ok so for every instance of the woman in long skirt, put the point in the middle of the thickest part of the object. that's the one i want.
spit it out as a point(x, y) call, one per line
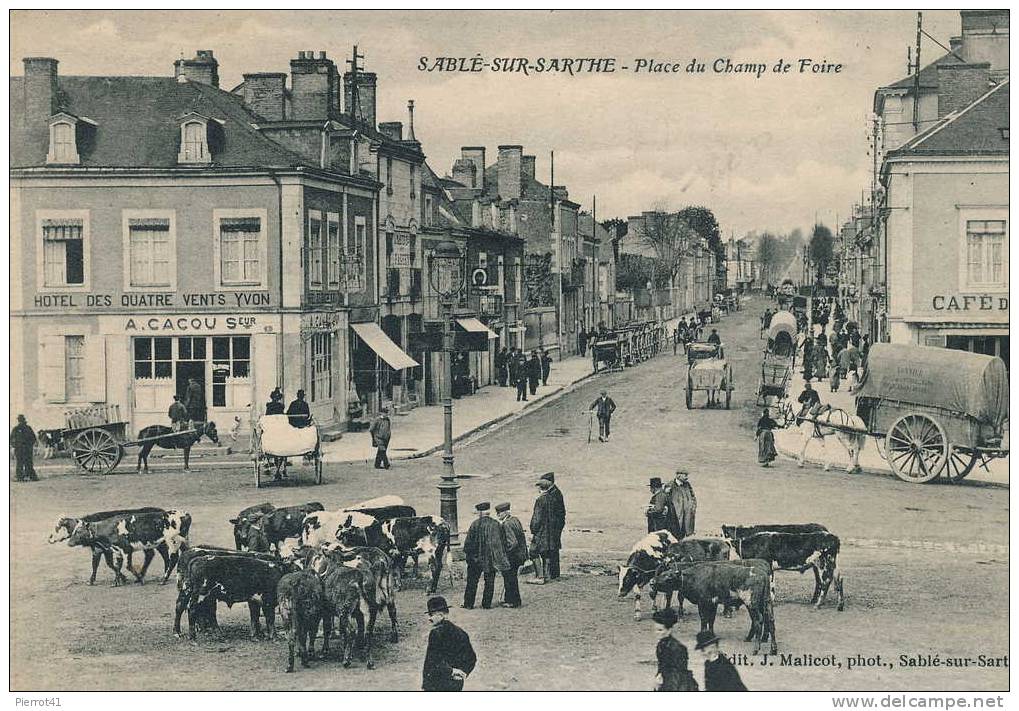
point(766, 439)
point(820, 355)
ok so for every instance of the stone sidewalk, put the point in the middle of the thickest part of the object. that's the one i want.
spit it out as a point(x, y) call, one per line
point(788, 442)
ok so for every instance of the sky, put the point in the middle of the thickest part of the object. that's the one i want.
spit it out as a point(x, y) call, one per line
point(767, 153)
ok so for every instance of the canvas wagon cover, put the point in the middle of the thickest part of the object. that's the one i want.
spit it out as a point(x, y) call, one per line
point(958, 381)
point(281, 440)
point(708, 373)
point(783, 322)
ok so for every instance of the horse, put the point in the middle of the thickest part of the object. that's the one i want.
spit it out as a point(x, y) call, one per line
point(168, 439)
point(852, 441)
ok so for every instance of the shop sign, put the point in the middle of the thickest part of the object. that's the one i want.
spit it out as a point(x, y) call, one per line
point(191, 324)
point(400, 256)
point(949, 302)
point(240, 299)
point(320, 322)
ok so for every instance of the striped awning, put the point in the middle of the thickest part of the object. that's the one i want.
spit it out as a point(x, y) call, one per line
point(475, 326)
point(376, 339)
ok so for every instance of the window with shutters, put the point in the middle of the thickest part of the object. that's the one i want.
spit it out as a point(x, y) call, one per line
point(241, 249)
point(63, 143)
point(321, 367)
point(389, 176)
point(63, 258)
point(984, 250)
point(74, 367)
point(194, 143)
point(334, 250)
point(354, 259)
point(150, 250)
point(315, 249)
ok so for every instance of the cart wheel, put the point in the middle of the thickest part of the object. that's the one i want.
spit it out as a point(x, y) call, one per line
point(318, 467)
point(689, 395)
point(960, 463)
point(97, 451)
point(257, 464)
point(728, 397)
point(917, 448)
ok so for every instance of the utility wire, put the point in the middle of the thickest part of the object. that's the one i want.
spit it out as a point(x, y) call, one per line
point(951, 52)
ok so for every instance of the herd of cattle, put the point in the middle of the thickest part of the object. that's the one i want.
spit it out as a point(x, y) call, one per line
point(703, 571)
point(332, 568)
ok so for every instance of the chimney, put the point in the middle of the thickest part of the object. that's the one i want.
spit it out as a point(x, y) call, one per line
point(509, 167)
point(464, 172)
point(40, 89)
point(959, 85)
point(476, 155)
point(392, 130)
point(985, 38)
point(202, 68)
point(365, 82)
point(955, 44)
point(527, 166)
point(263, 94)
point(314, 87)
point(410, 114)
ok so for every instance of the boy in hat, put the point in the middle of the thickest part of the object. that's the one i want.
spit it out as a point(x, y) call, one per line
point(516, 551)
point(658, 508)
point(719, 673)
point(548, 520)
point(673, 672)
point(485, 550)
point(603, 407)
point(450, 656)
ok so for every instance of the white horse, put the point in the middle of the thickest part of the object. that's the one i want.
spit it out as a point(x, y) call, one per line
point(852, 441)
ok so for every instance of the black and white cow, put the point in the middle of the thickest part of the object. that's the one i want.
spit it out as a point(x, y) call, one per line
point(412, 537)
point(270, 529)
point(66, 526)
point(647, 555)
point(244, 519)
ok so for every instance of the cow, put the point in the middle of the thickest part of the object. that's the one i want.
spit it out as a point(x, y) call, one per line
point(412, 536)
point(122, 534)
point(708, 584)
point(383, 513)
point(231, 579)
point(301, 599)
point(324, 527)
point(240, 523)
point(641, 565)
point(206, 613)
point(343, 593)
point(272, 528)
point(733, 533)
point(813, 550)
point(690, 551)
point(66, 525)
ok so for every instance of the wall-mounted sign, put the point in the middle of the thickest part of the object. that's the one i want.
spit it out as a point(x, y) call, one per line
point(479, 277)
point(942, 302)
point(400, 256)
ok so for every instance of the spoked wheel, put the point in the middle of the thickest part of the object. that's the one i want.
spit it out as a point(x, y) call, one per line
point(728, 397)
point(917, 448)
point(257, 464)
point(318, 467)
point(689, 395)
point(96, 451)
point(960, 463)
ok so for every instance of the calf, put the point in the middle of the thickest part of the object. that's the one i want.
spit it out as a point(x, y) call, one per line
point(410, 537)
point(344, 590)
point(642, 564)
point(66, 525)
point(231, 579)
point(816, 551)
point(206, 612)
point(301, 598)
point(687, 552)
point(122, 534)
point(272, 528)
point(243, 520)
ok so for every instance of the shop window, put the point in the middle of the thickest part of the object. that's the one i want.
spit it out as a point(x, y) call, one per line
point(74, 367)
point(191, 348)
point(321, 367)
point(150, 246)
point(315, 261)
point(231, 362)
point(241, 249)
point(63, 252)
point(985, 253)
point(153, 358)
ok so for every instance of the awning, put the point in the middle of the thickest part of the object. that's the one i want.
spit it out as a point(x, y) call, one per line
point(475, 326)
point(382, 344)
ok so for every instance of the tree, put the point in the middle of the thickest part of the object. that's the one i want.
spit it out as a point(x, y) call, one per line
point(821, 249)
point(769, 256)
point(671, 238)
point(634, 271)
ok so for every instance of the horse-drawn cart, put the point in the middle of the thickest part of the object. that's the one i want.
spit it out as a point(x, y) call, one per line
point(708, 370)
point(98, 449)
point(779, 359)
point(628, 345)
point(276, 440)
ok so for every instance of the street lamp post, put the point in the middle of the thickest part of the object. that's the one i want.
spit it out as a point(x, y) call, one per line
point(447, 274)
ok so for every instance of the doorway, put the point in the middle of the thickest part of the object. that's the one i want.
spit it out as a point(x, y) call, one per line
point(185, 371)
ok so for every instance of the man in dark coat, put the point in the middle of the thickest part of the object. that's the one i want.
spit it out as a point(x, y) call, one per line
point(450, 656)
point(547, 523)
point(194, 401)
point(673, 672)
point(178, 414)
point(682, 506)
point(23, 443)
point(719, 673)
point(808, 399)
point(534, 372)
point(518, 375)
point(381, 431)
point(299, 411)
point(546, 366)
point(275, 404)
point(582, 341)
point(485, 550)
point(603, 407)
point(516, 552)
point(501, 361)
point(658, 508)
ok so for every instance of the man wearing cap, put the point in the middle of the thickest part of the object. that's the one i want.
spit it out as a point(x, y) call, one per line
point(658, 508)
point(516, 552)
point(547, 522)
point(485, 550)
point(450, 656)
point(603, 407)
point(682, 506)
point(381, 430)
point(719, 673)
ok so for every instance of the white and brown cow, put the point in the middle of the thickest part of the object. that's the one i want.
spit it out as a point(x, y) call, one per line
point(126, 533)
point(641, 566)
point(67, 525)
point(412, 537)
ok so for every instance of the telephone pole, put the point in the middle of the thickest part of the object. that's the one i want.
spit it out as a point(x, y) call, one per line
point(916, 75)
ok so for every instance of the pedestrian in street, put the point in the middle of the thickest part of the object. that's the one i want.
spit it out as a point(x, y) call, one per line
point(485, 550)
point(516, 552)
point(603, 407)
point(501, 359)
point(582, 341)
point(534, 372)
point(546, 366)
point(682, 506)
point(519, 370)
point(658, 507)
point(820, 353)
point(299, 411)
point(194, 401)
point(808, 357)
point(766, 321)
point(450, 658)
point(714, 338)
point(381, 431)
point(808, 399)
point(864, 348)
point(547, 522)
point(178, 414)
point(719, 673)
point(23, 444)
point(673, 660)
point(765, 436)
point(275, 404)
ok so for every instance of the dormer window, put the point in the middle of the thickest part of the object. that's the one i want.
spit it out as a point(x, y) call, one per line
point(194, 138)
point(64, 139)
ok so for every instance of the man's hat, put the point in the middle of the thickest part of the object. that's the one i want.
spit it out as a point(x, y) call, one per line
point(547, 476)
point(437, 604)
point(483, 506)
point(655, 481)
point(666, 617)
point(300, 393)
point(504, 506)
point(704, 638)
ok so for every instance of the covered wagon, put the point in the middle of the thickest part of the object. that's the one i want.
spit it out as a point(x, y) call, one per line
point(708, 370)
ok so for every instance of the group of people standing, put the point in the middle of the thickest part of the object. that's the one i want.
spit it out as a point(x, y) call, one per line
point(514, 368)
